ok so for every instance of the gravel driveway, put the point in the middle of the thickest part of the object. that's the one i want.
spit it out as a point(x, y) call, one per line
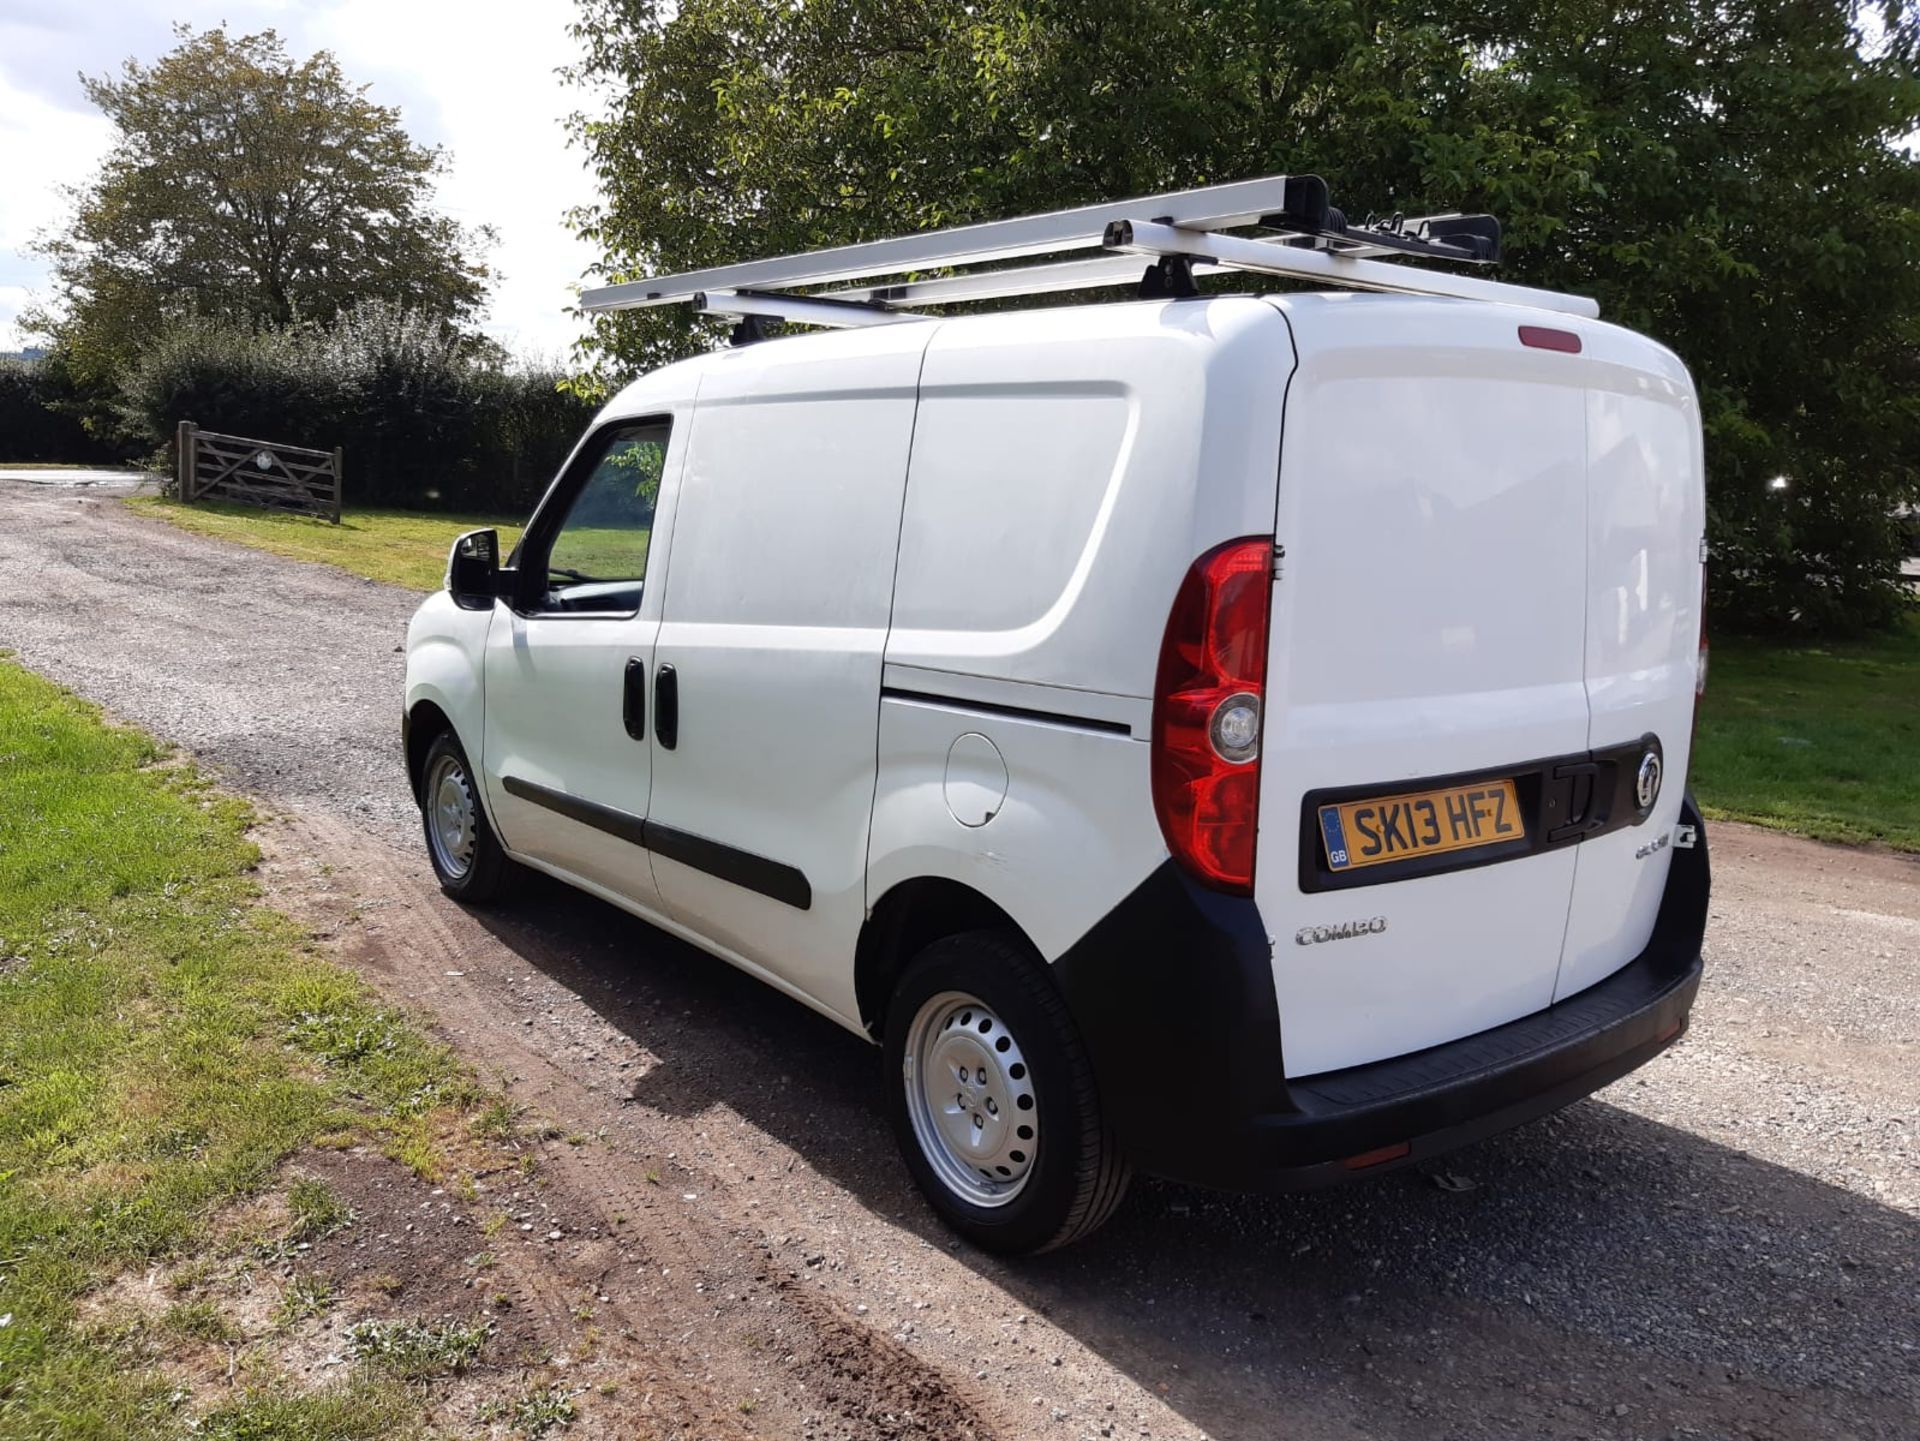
point(1725, 1244)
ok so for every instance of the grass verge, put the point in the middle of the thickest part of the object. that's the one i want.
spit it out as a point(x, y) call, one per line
point(400, 547)
point(165, 1042)
point(1821, 740)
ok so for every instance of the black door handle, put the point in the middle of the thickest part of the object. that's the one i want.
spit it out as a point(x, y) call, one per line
point(633, 699)
point(666, 707)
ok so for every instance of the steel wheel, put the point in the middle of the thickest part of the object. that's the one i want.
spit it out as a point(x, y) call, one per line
point(970, 1098)
point(452, 813)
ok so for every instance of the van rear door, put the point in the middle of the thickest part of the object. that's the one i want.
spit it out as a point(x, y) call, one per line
point(1646, 531)
point(1428, 638)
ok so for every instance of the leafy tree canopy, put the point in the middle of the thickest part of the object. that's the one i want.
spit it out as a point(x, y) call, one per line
point(252, 189)
point(1730, 178)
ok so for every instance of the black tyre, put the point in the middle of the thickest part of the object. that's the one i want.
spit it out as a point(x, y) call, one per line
point(993, 1100)
point(466, 854)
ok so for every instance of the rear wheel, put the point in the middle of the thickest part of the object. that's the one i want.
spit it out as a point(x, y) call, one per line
point(993, 1099)
point(467, 856)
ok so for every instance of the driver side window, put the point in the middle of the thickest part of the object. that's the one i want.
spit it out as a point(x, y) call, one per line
point(598, 559)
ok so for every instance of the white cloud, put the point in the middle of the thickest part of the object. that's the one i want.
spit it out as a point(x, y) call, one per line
point(43, 146)
point(478, 79)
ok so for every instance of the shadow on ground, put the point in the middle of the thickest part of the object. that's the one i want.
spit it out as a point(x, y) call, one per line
point(1591, 1262)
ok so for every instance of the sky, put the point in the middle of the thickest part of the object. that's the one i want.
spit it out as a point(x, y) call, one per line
point(477, 79)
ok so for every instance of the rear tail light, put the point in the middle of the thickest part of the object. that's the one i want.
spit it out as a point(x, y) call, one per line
point(1208, 704)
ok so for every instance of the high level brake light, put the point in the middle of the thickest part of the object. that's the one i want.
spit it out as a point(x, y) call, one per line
point(1207, 713)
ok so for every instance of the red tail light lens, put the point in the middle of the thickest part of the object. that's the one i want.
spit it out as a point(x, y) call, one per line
point(1207, 713)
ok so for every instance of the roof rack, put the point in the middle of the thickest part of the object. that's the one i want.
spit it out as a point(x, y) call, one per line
point(1301, 236)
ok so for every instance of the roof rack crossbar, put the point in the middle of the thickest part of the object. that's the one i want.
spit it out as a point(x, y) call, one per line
point(1096, 273)
point(1146, 237)
point(825, 310)
point(1308, 239)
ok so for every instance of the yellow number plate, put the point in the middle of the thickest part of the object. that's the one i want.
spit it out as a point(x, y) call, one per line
point(1420, 823)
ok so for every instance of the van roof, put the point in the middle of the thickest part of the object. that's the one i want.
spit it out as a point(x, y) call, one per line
point(676, 383)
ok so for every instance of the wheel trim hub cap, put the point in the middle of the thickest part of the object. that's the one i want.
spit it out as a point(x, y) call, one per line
point(451, 816)
point(971, 1098)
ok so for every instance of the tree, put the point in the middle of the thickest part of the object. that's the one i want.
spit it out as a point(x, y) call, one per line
point(251, 189)
point(1729, 178)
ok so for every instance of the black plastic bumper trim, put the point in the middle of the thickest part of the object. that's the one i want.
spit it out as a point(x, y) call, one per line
point(1173, 995)
point(773, 879)
point(1166, 975)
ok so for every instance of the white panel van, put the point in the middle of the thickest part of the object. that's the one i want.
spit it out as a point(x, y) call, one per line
point(1237, 737)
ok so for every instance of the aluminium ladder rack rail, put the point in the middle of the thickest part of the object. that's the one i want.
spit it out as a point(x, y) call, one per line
point(1214, 206)
point(1311, 240)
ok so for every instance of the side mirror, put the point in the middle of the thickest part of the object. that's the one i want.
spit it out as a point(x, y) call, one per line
point(473, 570)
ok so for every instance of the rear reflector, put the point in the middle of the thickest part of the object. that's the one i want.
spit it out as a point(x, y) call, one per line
point(1379, 1157)
point(1542, 337)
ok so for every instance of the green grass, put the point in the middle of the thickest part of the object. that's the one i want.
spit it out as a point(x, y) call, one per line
point(165, 1042)
point(1821, 740)
point(307, 1294)
point(400, 547)
point(201, 1320)
point(540, 1411)
point(418, 1350)
point(315, 1210)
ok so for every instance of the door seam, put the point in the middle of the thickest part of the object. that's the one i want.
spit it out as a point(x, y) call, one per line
point(886, 639)
point(1586, 629)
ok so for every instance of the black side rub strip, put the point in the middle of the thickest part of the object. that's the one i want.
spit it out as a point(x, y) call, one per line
point(773, 879)
point(588, 813)
point(983, 707)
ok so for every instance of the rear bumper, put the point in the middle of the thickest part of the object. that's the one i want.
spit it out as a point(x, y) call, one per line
point(1199, 1097)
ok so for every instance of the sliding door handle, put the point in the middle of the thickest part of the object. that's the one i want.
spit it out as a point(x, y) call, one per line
point(633, 699)
point(666, 707)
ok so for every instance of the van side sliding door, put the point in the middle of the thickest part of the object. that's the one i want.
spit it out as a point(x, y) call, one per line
point(776, 613)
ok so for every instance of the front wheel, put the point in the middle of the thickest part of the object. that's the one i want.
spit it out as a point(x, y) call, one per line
point(993, 1098)
point(467, 857)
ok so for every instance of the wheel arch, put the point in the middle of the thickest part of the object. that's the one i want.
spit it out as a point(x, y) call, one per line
point(426, 721)
point(909, 917)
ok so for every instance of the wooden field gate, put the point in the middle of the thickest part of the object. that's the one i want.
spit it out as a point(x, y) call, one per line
point(258, 472)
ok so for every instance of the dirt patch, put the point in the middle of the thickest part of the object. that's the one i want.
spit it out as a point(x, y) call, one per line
point(259, 1308)
point(642, 1274)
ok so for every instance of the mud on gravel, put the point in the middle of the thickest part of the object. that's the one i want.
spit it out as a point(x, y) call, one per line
point(1725, 1244)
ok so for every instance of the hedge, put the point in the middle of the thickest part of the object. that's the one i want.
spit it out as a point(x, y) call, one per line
point(34, 421)
point(429, 419)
